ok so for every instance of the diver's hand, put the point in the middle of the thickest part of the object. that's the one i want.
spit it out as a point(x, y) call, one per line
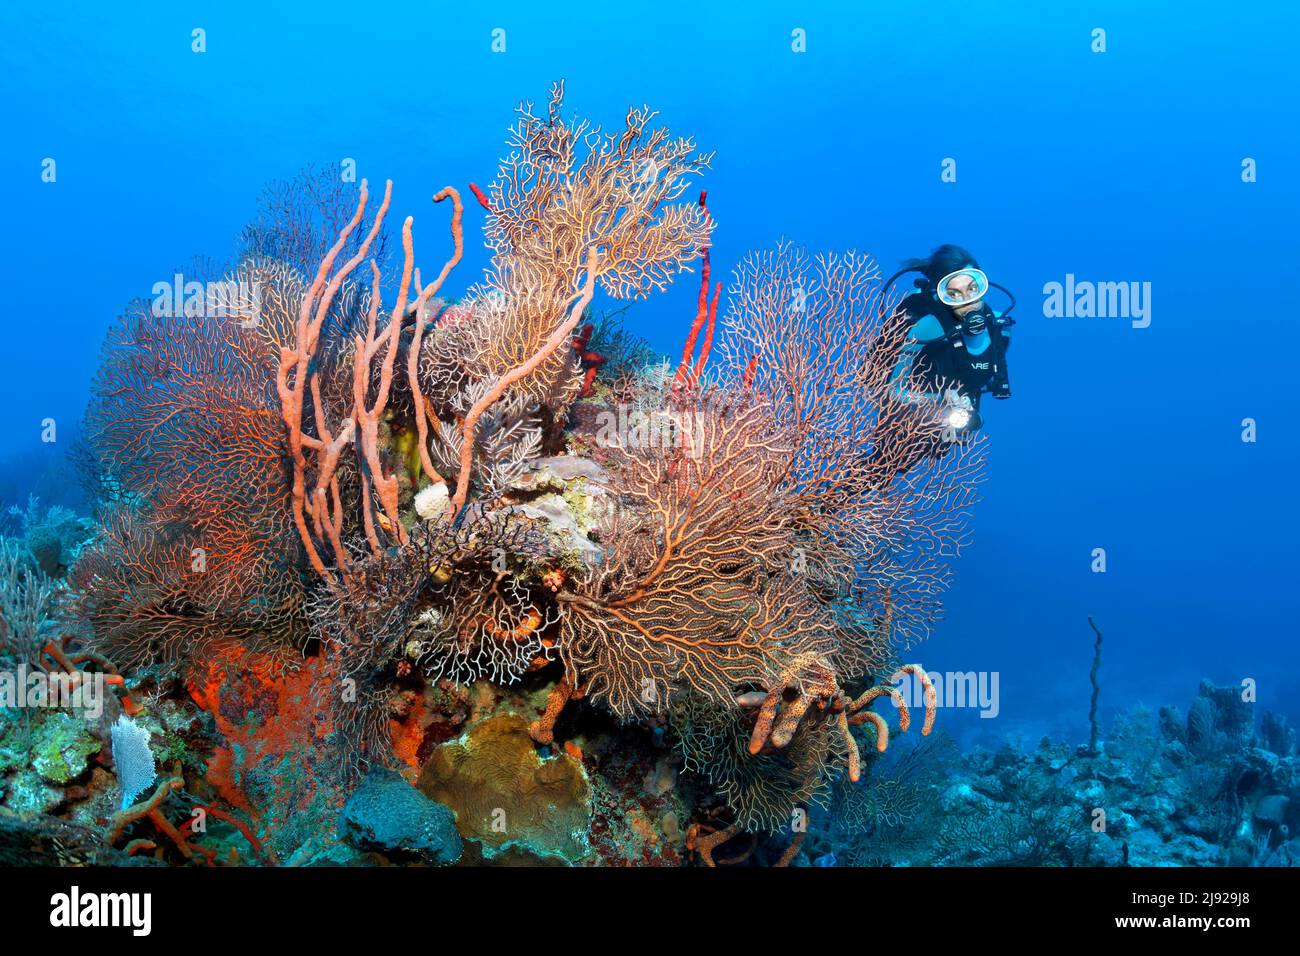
point(955, 399)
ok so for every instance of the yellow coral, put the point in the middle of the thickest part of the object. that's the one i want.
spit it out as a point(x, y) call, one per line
point(507, 797)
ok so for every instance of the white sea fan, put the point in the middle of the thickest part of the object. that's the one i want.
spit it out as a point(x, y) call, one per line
point(136, 770)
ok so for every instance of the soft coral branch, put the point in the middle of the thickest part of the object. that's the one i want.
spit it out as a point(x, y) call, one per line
point(562, 333)
point(417, 337)
point(705, 311)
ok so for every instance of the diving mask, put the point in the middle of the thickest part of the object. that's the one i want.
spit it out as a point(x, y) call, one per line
point(962, 287)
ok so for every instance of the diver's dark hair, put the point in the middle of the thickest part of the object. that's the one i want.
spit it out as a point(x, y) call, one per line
point(942, 261)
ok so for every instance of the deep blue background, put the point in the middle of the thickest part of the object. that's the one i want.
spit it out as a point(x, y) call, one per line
point(1115, 167)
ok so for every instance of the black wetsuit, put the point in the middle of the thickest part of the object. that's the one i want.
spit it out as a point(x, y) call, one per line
point(940, 353)
point(940, 347)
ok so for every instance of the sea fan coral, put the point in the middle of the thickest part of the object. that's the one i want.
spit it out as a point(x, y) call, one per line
point(428, 484)
point(698, 588)
point(196, 543)
point(811, 333)
point(762, 791)
point(776, 547)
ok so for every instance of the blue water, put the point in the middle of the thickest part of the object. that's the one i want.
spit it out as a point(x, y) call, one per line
point(1118, 166)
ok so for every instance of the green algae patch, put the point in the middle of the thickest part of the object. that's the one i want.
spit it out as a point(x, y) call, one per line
point(64, 748)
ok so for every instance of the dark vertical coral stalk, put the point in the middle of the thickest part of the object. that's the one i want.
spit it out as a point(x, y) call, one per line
point(1096, 689)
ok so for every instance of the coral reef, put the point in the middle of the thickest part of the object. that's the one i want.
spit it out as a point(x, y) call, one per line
point(1144, 798)
point(54, 537)
point(28, 599)
point(348, 531)
point(389, 814)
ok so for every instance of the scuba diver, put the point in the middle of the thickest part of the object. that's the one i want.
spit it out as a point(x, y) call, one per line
point(956, 345)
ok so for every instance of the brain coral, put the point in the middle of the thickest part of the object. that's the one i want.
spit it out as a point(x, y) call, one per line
point(508, 797)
